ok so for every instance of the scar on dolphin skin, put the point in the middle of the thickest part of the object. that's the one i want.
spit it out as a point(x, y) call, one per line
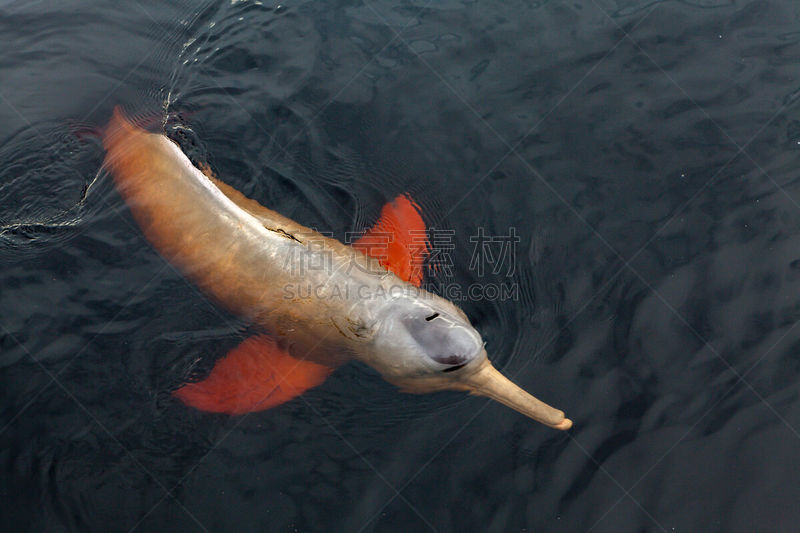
point(285, 233)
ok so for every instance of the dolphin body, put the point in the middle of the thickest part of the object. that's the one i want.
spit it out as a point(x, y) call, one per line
point(258, 264)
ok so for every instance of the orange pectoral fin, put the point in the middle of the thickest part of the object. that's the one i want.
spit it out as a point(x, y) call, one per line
point(398, 240)
point(254, 376)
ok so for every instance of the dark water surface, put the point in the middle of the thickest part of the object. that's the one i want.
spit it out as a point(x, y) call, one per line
point(646, 153)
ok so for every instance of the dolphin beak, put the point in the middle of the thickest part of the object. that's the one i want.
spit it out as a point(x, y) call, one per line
point(487, 381)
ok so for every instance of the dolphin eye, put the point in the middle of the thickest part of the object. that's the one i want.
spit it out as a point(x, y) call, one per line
point(445, 341)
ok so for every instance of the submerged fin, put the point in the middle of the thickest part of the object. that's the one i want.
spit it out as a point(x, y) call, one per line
point(254, 376)
point(398, 240)
point(205, 168)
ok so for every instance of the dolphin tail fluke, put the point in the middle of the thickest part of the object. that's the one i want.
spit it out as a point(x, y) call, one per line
point(398, 240)
point(254, 376)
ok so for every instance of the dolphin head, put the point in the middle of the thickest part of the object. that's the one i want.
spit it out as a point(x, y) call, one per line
point(427, 344)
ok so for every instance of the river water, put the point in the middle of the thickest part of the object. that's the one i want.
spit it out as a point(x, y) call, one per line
point(613, 186)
